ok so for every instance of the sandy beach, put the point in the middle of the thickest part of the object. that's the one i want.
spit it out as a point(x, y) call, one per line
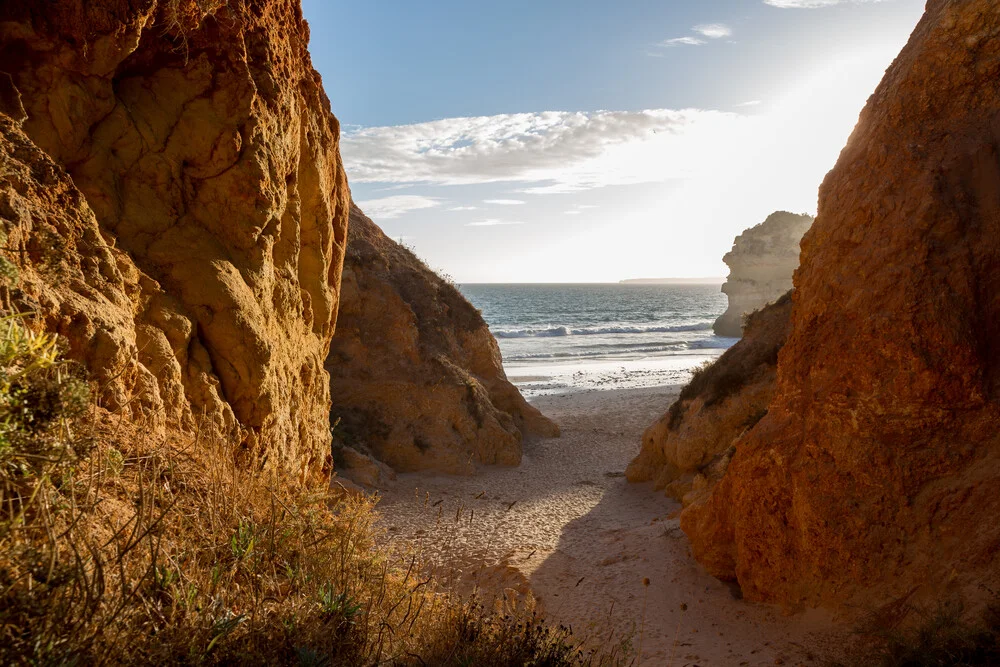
point(568, 525)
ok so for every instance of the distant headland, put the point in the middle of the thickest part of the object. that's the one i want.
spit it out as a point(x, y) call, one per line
point(713, 280)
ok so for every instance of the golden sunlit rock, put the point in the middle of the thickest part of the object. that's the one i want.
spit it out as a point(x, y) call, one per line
point(693, 441)
point(202, 161)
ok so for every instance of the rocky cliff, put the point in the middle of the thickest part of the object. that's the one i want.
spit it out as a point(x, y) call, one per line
point(416, 377)
point(173, 192)
point(873, 477)
point(689, 448)
point(761, 265)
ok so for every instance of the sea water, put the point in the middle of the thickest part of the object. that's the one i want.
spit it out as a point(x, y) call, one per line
point(560, 338)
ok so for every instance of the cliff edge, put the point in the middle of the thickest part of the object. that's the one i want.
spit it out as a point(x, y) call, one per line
point(761, 265)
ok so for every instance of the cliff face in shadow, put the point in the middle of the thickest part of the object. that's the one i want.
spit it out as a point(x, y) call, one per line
point(689, 447)
point(415, 375)
point(873, 477)
point(179, 209)
point(761, 265)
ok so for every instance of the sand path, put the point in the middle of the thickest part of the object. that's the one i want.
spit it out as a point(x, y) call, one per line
point(584, 540)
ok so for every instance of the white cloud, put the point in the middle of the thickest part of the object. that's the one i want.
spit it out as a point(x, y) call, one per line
point(706, 30)
point(713, 30)
point(683, 41)
point(751, 103)
point(464, 208)
point(504, 202)
point(571, 212)
point(813, 4)
point(387, 208)
point(549, 152)
point(492, 222)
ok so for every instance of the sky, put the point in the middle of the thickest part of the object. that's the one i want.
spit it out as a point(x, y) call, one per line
point(586, 141)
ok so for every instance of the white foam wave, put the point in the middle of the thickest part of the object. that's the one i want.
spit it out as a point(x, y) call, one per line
point(609, 352)
point(594, 331)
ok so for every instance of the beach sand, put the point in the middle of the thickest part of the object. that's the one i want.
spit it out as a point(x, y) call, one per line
point(567, 524)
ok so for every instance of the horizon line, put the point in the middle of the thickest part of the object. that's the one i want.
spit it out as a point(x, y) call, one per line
point(626, 281)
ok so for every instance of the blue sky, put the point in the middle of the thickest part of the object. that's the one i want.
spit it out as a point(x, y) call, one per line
point(592, 141)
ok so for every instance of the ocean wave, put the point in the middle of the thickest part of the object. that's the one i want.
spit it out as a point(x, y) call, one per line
point(712, 343)
point(611, 352)
point(552, 332)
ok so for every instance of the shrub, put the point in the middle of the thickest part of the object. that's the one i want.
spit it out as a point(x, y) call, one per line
point(41, 398)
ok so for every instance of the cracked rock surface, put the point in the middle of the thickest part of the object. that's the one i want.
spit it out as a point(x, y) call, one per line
point(185, 156)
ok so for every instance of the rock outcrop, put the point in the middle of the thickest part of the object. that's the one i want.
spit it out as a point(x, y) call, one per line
point(416, 377)
point(173, 192)
point(873, 477)
point(688, 449)
point(761, 265)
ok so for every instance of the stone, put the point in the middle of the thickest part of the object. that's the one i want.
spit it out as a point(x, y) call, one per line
point(361, 468)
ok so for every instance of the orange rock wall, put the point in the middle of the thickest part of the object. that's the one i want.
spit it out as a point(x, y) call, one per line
point(210, 213)
point(875, 473)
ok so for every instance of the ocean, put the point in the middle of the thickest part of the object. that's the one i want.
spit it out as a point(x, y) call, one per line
point(578, 337)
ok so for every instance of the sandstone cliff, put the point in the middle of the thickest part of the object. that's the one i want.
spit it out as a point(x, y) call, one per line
point(174, 194)
point(416, 377)
point(691, 445)
point(761, 265)
point(874, 474)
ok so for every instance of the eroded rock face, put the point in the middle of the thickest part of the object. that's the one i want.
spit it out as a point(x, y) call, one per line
point(416, 377)
point(81, 287)
point(761, 265)
point(689, 448)
point(199, 141)
point(874, 474)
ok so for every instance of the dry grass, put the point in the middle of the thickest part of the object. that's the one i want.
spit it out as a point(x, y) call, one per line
point(118, 548)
